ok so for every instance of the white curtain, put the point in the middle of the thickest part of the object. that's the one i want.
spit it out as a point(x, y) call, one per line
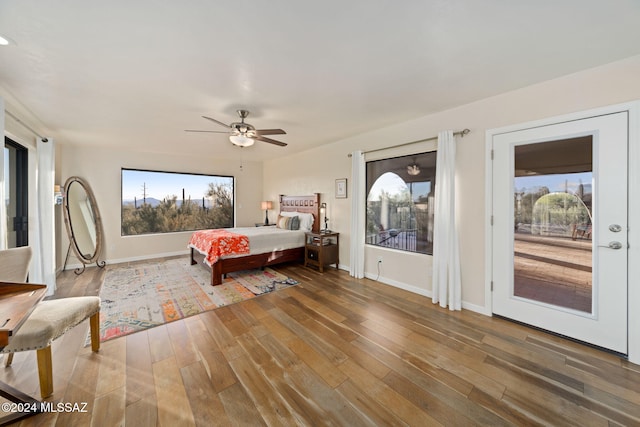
point(446, 258)
point(42, 240)
point(356, 267)
point(3, 206)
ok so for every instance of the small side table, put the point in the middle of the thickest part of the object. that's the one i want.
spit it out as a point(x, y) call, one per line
point(321, 249)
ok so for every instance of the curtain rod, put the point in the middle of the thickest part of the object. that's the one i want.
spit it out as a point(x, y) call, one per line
point(462, 133)
point(25, 125)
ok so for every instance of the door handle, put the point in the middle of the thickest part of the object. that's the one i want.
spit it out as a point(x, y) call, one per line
point(612, 245)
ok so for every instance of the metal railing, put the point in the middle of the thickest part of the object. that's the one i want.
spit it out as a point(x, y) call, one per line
point(406, 240)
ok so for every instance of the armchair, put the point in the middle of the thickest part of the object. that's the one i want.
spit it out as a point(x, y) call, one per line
point(49, 320)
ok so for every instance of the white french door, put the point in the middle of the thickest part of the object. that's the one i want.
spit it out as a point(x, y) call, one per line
point(559, 235)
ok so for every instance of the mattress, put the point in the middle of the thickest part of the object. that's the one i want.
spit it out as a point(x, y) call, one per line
point(265, 239)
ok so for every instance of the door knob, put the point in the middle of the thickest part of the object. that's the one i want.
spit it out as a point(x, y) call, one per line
point(612, 245)
point(615, 228)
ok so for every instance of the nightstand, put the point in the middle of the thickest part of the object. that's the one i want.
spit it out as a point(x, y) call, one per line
point(321, 249)
point(261, 224)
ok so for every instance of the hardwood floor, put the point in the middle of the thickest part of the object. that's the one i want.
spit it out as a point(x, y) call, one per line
point(331, 351)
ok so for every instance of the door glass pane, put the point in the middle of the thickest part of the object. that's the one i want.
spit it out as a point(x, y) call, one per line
point(553, 215)
point(16, 193)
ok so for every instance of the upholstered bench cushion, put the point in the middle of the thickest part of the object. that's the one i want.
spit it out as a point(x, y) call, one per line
point(49, 320)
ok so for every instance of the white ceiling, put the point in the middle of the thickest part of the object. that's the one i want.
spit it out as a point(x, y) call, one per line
point(137, 73)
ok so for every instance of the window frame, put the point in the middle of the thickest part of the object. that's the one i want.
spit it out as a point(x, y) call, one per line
point(192, 174)
point(420, 205)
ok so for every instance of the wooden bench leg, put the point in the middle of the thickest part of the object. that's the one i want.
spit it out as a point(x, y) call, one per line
point(94, 322)
point(45, 372)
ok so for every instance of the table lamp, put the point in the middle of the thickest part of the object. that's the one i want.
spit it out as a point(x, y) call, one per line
point(323, 213)
point(266, 206)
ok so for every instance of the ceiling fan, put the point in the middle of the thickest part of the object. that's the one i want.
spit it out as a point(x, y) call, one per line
point(243, 134)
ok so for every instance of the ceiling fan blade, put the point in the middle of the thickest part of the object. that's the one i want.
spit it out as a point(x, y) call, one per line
point(216, 121)
point(269, 140)
point(269, 132)
point(207, 131)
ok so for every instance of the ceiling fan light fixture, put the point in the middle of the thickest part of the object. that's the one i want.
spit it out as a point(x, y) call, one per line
point(241, 140)
point(5, 41)
point(413, 170)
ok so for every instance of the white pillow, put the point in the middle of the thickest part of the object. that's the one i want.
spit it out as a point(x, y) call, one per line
point(306, 219)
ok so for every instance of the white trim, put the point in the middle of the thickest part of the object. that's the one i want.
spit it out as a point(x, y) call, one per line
point(423, 292)
point(488, 240)
point(70, 267)
point(476, 308)
point(634, 234)
point(109, 262)
point(400, 285)
point(3, 207)
point(633, 271)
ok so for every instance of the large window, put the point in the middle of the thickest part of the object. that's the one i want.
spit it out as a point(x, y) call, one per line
point(400, 198)
point(165, 202)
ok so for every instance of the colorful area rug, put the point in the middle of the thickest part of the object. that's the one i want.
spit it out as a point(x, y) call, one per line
point(143, 295)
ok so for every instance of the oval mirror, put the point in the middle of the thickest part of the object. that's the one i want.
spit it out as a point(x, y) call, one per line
point(83, 222)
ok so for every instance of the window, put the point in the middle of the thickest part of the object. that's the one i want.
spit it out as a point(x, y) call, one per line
point(400, 210)
point(166, 202)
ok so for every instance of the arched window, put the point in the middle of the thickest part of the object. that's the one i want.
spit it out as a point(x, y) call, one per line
point(400, 202)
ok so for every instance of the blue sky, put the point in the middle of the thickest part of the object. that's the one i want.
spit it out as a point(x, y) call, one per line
point(395, 185)
point(163, 184)
point(555, 183)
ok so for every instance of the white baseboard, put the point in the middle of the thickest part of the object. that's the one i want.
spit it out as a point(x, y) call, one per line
point(425, 293)
point(476, 308)
point(400, 285)
point(131, 259)
point(386, 281)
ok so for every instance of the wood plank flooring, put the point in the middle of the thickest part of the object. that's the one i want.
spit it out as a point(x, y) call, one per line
point(331, 351)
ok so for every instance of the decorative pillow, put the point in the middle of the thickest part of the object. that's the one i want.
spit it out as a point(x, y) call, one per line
point(306, 219)
point(283, 222)
point(294, 223)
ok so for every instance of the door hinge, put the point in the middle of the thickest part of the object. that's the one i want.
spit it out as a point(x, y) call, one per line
point(491, 219)
point(491, 154)
point(492, 286)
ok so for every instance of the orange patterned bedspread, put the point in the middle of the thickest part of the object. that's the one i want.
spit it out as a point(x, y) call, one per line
point(217, 243)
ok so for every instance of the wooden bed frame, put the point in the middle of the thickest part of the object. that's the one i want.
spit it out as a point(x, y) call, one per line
point(307, 204)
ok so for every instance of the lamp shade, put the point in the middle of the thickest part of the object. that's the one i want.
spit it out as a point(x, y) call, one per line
point(241, 140)
point(266, 205)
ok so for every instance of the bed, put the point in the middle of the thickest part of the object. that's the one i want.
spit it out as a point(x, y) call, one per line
point(265, 246)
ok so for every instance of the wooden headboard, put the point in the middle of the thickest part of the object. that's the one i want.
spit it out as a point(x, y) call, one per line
point(307, 204)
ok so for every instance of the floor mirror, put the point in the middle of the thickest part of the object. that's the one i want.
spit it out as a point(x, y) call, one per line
point(83, 223)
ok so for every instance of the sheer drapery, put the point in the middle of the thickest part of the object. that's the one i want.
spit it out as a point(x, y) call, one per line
point(43, 265)
point(446, 258)
point(3, 207)
point(356, 267)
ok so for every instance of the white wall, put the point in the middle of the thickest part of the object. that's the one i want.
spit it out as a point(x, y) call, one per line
point(101, 168)
point(316, 170)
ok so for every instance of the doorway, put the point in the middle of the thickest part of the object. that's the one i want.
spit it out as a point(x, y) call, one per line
point(560, 225)
point(16, 170)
